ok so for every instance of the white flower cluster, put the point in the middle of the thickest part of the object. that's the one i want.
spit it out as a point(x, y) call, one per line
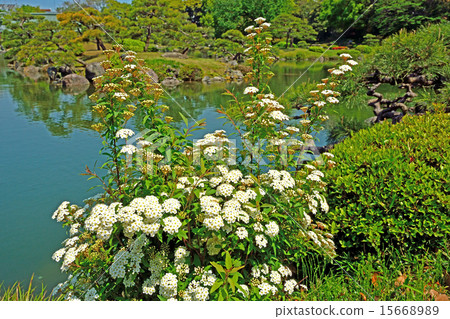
point(271, 280)
point(250, 89)
point(102, 219)
point(124, 133)
point(121, 96)
point(280, 180)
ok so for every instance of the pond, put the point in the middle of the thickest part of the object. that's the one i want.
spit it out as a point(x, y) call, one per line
point(46, 142)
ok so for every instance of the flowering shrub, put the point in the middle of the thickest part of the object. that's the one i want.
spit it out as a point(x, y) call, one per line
point(194, 221)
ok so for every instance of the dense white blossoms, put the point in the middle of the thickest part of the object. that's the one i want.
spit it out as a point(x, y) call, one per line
point(345, 56)
point(124, 133)
point(251, 90)
point(241, 232)
point(279, 116)
point(332, 100)
point(171, 225)
point(275, 277)
point(280, 180)
point(249, 29)
point(225, 190)
point(261, 241)
point(266, 288)
point(337, 72)
point(345, 68)
point(352, 62)
point(168, 285)
point(120, 96)
point(61, 212)
point(171, 205)
point(272, 229)
point(260, 20)
point(129, 149)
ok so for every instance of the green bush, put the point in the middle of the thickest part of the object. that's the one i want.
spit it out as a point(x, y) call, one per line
point(281, 44)
point(424, 51)
point(190, 73)
point(363, 48)
point(302, 44)
point(391, 187)
point(134, 45)
point(316, 49)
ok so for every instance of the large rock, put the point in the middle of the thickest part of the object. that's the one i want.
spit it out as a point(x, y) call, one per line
point(152, 74)
point(171, 82)
point(234, 75)
point(35, 73)
point(75, 83)
point(93, 70)
point(174, 55)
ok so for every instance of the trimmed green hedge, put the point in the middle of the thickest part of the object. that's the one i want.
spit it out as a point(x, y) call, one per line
point(391, 187)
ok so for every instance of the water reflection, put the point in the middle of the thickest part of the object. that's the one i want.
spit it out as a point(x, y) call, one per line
point(63, 113)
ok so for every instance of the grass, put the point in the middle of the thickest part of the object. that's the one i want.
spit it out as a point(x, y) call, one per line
point(399, 279)
point(17, 292)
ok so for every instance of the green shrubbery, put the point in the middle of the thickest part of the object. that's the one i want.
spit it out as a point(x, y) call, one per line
point(363, 48)
point(391, 188)
point(424, 51)
point(316, 49)
point(134, 45)
point(190, 73)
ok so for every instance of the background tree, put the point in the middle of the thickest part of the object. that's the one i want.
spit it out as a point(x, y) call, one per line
point(231, 44)
point(90, 24)
point(392, 15)
point(338, 15)
point(50, 45)
point(19, 26)
point(293, 29)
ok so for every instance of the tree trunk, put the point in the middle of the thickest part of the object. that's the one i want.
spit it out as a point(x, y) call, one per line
point(147, 39)
point(100, 45)
point(287, 38)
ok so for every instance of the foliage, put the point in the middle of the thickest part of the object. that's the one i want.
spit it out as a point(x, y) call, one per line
point(236, 14)
point(231, 44)
point(363, 48)
point(316, 49)
point(90, 25)
point(384, 17)
point(19, 25)
point(424, 51)
point(390, 16)
point(371, 40)
point(190, 73)
point(183, 220)
point(134, 45)
point(391, 187)
point(293, 29)
point(396, 278)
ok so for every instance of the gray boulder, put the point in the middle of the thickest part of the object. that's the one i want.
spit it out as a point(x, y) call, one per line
point(152, 74)
point(171, 82)
point(93, 70)
point(234, 75)
point(75, 83)
point(217, 79)
point(174, 55)
point(35, 73)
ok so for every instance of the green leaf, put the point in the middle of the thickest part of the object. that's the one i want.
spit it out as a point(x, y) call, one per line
point(218, 267)
point(216, 285)
point(228, 261)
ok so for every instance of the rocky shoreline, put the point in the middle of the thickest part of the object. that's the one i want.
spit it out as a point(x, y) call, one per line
point(72, 82)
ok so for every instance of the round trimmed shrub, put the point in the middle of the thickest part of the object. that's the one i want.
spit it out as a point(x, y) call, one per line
point(316, 49)
point(390, 188)
point(363, 48)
